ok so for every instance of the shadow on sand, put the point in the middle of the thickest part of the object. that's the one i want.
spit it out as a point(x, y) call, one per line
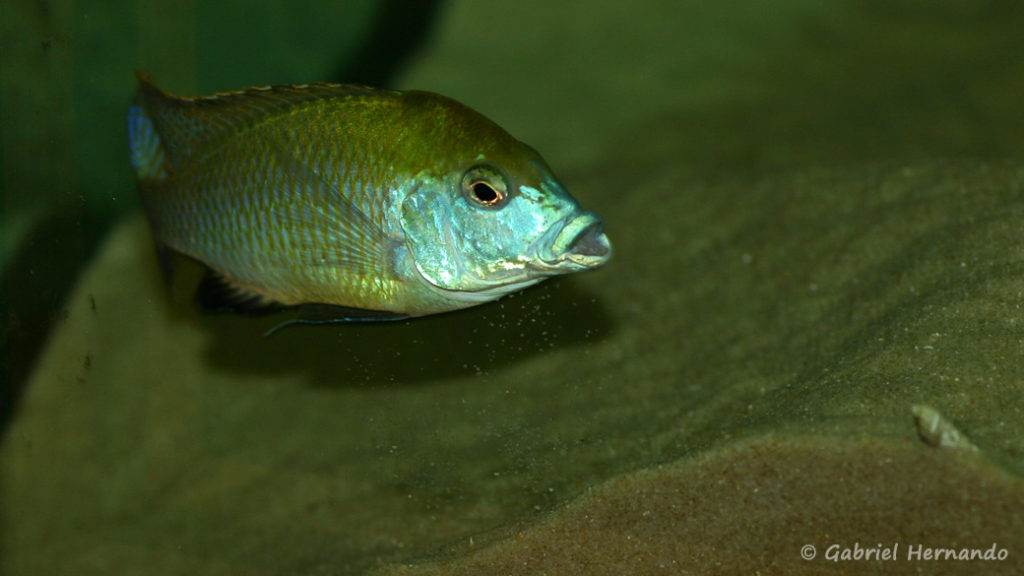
point(555, 315)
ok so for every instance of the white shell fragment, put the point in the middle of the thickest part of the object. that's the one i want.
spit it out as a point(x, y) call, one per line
point(935, 430)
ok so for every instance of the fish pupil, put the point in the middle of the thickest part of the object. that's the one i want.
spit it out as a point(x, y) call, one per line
point(485, 193)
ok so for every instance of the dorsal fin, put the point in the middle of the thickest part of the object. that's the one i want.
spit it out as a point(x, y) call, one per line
point(185, 125)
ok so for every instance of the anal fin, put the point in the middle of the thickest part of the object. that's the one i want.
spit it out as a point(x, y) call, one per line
point(218, 294)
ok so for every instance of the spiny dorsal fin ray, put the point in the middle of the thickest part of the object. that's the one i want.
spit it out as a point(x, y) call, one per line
point(186, 125)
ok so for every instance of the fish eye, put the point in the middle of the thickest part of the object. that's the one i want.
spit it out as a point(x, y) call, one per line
point(484, 187)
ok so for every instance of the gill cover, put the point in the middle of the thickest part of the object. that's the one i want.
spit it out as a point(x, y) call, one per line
point(479, 231)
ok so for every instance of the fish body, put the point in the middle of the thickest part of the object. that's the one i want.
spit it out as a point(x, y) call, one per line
point(376, 201)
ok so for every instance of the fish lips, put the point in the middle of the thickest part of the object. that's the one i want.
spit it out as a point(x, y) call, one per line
point(576, 243)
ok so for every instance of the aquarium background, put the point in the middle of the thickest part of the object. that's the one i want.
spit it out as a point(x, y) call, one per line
point(810, 332)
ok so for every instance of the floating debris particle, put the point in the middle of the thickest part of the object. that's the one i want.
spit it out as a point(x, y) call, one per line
point(935, 430)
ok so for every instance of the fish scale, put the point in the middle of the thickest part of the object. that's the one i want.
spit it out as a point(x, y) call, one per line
point(374, 203)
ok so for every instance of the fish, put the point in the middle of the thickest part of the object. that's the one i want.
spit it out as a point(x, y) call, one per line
point(360, 203)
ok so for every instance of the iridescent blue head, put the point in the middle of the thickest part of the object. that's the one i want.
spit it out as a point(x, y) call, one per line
point(492, 218)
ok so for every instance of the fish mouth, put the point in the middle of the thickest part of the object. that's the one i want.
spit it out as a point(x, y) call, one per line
point(578, 244)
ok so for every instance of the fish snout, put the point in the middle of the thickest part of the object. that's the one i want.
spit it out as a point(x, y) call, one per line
point(580, 244)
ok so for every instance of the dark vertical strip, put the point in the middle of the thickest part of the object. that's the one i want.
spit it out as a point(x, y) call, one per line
point(399, 30)
point(39, 185)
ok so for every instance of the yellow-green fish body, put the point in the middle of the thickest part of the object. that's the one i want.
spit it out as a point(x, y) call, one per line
point(404, 203)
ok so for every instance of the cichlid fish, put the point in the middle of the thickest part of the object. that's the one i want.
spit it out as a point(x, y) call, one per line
point(380, 204)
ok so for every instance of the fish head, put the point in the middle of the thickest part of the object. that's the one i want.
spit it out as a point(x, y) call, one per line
point(496, 223)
